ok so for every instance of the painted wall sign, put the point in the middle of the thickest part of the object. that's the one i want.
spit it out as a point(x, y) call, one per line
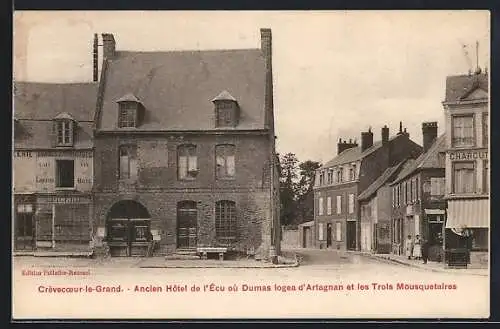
point(23, 154)
point(73, 153)
point(65, 199)
point(468, 155)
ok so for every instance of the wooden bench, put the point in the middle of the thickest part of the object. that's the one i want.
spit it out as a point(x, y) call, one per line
point(204, 251)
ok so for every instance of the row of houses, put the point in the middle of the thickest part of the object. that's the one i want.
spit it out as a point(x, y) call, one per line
point(176, 147)
point(370, 197)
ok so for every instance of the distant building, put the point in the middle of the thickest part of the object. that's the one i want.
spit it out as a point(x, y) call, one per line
point(339, 182)
point(53, 165)
point(467, 165)
point(418, 206)
point(376, 211)
point(185, 150)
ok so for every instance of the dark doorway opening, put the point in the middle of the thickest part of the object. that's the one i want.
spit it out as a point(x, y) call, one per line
point(328, 235)
point(128, 229)
point(351, 235)
point(24, 227)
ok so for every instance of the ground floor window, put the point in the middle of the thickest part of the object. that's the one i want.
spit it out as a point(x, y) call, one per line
point(479, 239)
point(225, 219)
point(338, 231)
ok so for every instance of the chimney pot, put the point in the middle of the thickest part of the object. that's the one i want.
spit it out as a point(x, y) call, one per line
point(109, 45)
point(366, 140)
point(429, 134)
point(385, 134)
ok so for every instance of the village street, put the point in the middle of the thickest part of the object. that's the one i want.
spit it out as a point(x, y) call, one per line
point(334, 284)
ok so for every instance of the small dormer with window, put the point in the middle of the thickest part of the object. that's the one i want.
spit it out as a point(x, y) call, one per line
point(227, 110)
point(130, 111)
point(64, 128)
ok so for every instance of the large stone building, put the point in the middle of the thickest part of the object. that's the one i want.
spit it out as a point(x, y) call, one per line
point(185, 149)
point(466, 110)
point(53, 165)
point(340, 181)
point(418, 205)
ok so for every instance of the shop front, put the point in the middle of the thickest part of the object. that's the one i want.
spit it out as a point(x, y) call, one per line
point(435, 229)
point(24, 221)
point(63, 222)
point(467, 228)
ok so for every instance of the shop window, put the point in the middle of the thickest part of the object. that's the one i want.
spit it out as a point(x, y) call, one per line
point(128, 162)
point(339, 204)
point(320, 206)
point(463, 131)
point(480, 239)
point(188, 162)
point(463, 177)
point(225, 219)
point(225, 164)
point(329, 205)
point(338, 231)
point(65, 173)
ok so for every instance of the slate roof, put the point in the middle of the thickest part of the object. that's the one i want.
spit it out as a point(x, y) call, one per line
point(44, 101)
point(387, 176)
point(177, 87)
point(429, 160)
point(224, 96)
point(37, 104)
point(459, 86)
point(354, 154)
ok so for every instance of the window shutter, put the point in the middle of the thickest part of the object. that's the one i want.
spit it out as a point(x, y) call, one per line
point(53, 134)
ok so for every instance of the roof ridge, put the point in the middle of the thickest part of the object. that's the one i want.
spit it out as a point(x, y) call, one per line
point(430, 151)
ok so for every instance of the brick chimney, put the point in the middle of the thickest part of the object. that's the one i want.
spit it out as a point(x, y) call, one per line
point(266, 46)
point(344, 145)
point(95, 59)
point(109, 45)
point(385, 135)
point(429, 133)
point(366, 139)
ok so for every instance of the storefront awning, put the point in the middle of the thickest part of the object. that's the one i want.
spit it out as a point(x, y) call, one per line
point(468, 213)
point(434, 211)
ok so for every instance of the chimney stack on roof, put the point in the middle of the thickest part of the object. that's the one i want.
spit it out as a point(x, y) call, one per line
point(109, 45)
point(429, 133)
point(95, 59)
point(385, 134)
point(366, 139)
point(344, 145)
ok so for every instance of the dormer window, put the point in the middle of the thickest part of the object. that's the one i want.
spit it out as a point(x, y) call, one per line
point(129, 108)
point(226, 110)
point(64, 129)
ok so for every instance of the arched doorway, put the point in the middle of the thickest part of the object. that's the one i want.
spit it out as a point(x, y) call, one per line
point(187, 225)
point(128, 229)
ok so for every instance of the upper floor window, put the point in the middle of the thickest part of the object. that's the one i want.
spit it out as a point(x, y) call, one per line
point(330, 176)
point(352, 173)
point(187, 162)
point(485, 130)
point(65, 173)
point(64, 129)
point(339, 204)
point(437, 186)
point(463, 177)
point(463, 131)
point(340, 175)
point(329, 205)
point(351, 203)
point(486, 176)
point(225, 219)
point(128, 115)
point(320, 206)
point(225, 166)
point(128, 162)
point(321, 178)
point(226, 110)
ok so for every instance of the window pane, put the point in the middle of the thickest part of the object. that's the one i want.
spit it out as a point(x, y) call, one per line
point(230, 165)
point(124, 166)
point(182, 166)
point(463, 131)
point(463, 177)
point(338, 231)
point(133, 168)
point(192, 163)
point(225, 219)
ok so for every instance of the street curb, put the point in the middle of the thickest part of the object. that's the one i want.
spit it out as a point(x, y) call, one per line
point(216, 266)
point(396, 261)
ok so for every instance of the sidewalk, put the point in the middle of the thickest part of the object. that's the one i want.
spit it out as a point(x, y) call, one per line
point(161, 262)
point(430, 266)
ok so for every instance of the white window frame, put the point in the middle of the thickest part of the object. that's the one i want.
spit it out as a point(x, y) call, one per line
point(329, 205)
point(338, 231)
point(351, 203)
point(339, 204)
point(320, 206)
point(320, 231)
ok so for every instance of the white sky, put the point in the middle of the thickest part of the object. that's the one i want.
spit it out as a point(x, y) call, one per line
point(336, 73)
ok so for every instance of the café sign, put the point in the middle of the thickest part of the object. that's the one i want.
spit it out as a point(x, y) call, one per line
point(469, 155)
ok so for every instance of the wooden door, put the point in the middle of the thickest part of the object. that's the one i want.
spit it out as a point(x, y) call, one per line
point(187, 219)
point(351, 235)
point(24, 228)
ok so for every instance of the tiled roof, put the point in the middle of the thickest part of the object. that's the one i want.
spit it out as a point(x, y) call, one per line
point(460, 85)
point(44, 101)
point(177, 87)
point(387, 176)
point(431, 159)
point(224, 96)
point(36, 105)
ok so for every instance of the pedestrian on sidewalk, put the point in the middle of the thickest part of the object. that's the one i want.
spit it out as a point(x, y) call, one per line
point(409, 246)
point(417, 248)
point(425, 250)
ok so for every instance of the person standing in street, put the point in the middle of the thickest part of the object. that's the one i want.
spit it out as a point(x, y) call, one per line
point(409, 246)
point(425, 250)
point(417, 248)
